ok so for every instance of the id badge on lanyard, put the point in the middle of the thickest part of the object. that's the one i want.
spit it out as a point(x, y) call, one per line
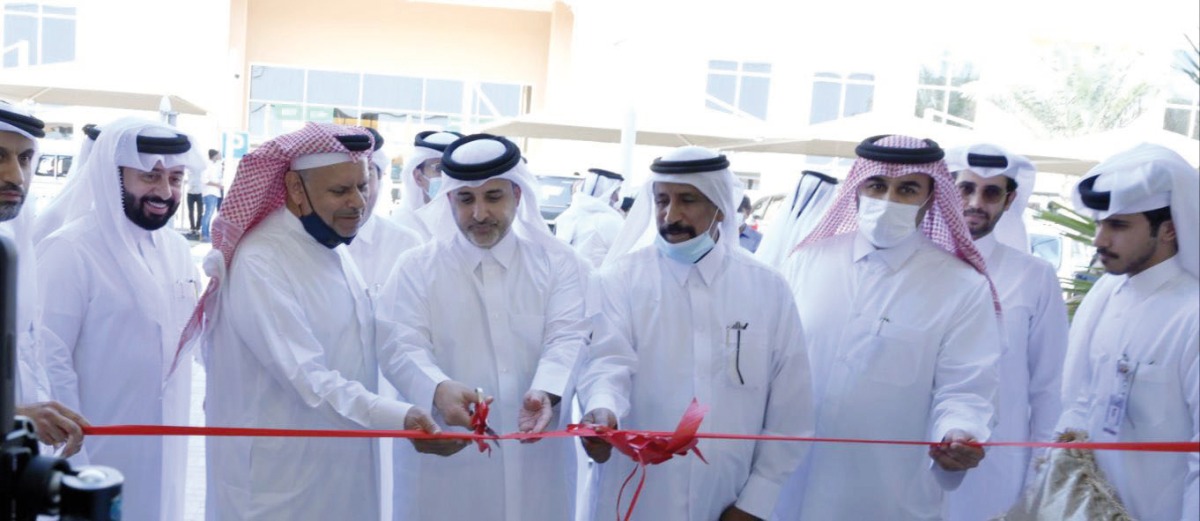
point(1118, 401)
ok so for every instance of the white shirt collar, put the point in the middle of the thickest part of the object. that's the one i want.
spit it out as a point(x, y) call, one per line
point(893, 257)
point(986, 245)
point(1148, 281)
point(504, 251)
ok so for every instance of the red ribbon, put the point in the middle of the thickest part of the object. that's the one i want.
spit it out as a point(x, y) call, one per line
point(480, 426)
point(643, 447)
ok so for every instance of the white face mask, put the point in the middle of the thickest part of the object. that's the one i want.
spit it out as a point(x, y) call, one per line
point(886, 223)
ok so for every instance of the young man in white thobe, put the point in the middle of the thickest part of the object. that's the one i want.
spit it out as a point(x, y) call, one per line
point(995, 187)
point(291, 332)
point(591, 223)
point(116, 286)
point(901, 330)
point(55, 424)
point(1133, 361)
point(421, 177)
point(494, 302)
point(693, 315)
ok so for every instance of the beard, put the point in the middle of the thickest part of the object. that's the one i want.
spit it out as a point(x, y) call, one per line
point(980, 230)
point(10, 210)
point(135, 210)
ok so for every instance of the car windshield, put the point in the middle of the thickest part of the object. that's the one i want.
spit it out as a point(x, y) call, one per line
point(555, 191)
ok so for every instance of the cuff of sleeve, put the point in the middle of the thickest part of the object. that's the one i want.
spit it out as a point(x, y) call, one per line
point(550, 381)
point(979, 432)
point(388, 414)
point(758, 497)
point(618, 406)
point(423, 389)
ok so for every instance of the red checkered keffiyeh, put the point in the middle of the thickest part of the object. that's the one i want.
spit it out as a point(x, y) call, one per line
point(943, 222)
point(257, 190)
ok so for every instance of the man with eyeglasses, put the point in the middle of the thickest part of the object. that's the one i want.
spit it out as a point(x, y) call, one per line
point(995, 186)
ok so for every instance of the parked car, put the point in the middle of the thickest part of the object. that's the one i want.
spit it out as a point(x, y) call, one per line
point(555, 195)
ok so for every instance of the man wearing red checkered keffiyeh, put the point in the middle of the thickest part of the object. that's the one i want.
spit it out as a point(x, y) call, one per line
point(289, 331)
point(902, 337)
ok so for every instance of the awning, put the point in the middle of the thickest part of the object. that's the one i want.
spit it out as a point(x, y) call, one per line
point(715, 131)
point(96, 98)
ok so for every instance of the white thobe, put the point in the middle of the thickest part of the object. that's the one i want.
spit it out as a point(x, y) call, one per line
point(30, 383)
point(377, 247)
point(375, 250)
point(1152, 318)
point(668, 334)
point(415, 221)
point(903, 344)
point(107, 357)
point(292, 347)
point(590, 226)
point(1031, 364)
point(507, 319)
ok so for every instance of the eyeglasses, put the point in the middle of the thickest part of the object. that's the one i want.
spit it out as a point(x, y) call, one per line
point(991, 194)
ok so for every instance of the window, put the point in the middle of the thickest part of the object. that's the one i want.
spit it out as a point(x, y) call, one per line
point(283, 98)
point(940, 94)
point(741, 88)
point(1182, 108)
point(835, 96)
point(37, 34)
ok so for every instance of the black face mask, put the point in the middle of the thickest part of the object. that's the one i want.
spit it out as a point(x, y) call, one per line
point(317, 228)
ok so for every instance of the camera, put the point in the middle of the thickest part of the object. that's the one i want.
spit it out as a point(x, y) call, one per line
point(31, 484)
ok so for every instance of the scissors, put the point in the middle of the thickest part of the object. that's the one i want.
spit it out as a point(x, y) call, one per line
point(479, 419)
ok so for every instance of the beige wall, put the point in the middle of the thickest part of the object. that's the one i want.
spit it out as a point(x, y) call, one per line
point(398, 37)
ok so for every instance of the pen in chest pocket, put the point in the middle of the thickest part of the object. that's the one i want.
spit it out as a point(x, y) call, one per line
point(737, 328)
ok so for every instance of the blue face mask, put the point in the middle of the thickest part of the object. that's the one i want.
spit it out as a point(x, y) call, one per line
point(435, 184)
point(318, 229)
point(689, 251)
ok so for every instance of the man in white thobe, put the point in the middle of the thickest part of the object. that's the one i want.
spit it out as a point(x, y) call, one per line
point(421, 178)
point(379, 241)
point(55, 424)
point(695, 316)
point(1133, 361)
point(994, 186)
point(591, 223)
point(116, 286)
point(902, 337)
point(292, 331)
point(804, 208)
point(495, 302)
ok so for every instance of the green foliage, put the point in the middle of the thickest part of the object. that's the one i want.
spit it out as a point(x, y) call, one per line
point(1079, 228)
point(1075, 91)
point(1189, 62)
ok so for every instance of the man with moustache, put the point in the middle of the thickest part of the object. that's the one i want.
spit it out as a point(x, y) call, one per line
point(288, 331)
point(1133, 363)
point(54, 423)
point(995, 186)
point(116, 286)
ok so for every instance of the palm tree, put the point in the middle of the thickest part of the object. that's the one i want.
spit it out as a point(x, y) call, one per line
point(1078, 90)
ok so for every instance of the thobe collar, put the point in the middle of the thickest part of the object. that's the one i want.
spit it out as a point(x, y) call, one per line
point(503, 252)
point(707, 267)
point(1147, 282)
point(986, 245)
point(364, 232)
point(142, 237)
point(893, 257)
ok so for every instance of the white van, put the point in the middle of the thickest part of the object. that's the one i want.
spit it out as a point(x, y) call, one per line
point(50, 174)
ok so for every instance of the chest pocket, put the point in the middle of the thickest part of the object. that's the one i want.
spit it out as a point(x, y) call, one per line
point(895, 353)
point(743, 363)
point(1154, 390)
